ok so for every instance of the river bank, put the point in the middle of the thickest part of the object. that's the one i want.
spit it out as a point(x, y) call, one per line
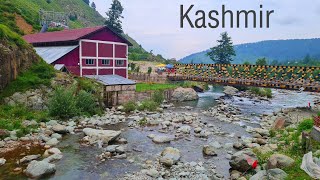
point(139, 151)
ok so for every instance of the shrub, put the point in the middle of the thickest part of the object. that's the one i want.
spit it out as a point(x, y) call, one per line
point(87, 84)
point(85, 103)
point(268, 92)
point(262, 158)
point(148, 105)
point(158, 97)
point(149, 70)
point(255, 90)
point(129, 106)
point(63, 103)
point(305, 125)
point(272, 133)
point(261, 91)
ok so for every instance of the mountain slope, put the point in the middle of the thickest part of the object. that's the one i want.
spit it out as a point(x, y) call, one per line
point(86, 16)
point(280, 50)
point(29, 10)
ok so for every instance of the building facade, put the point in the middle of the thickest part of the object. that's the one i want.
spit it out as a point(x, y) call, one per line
point(91, 51)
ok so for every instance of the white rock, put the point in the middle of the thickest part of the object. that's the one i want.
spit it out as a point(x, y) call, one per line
point(104, 135)
point(162, 139)
point(2, 161)
point(37, 169)
point(52, 142)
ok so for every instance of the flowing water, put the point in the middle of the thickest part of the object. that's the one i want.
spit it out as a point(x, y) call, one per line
point(80, 162)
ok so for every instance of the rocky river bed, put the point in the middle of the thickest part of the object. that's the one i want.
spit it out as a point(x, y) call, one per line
point(186, 140)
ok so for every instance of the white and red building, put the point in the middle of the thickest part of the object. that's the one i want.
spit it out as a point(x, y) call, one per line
point(90, 51)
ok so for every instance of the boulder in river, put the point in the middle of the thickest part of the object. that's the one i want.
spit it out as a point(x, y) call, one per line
point(239, 160)
point(101, 135)
point(170, 156)
point(61, 129)
point(230, 91)
point(209, 150)
point(162, 139)
point(184, 94)
point(52, 142)
point(185, 129)
point(37, 169)
point(29, 158)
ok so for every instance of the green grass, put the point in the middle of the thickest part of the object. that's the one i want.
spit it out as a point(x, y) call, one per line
point(39, 74)
point(11, 118)
point(11, 37)
point(148, 105)
point(30, 9)
point(295, 172)
point(142, 87)
point(293, 148)
point(265, 92)
point(305, 125)
point(129, 106)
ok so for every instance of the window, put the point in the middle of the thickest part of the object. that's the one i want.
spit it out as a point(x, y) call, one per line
point(105, 62)
point(119, 62)
point(89, 61)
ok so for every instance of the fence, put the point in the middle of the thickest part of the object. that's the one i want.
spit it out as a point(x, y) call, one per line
point(142, 77)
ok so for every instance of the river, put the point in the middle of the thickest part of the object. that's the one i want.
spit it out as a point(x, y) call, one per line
point(80, 162)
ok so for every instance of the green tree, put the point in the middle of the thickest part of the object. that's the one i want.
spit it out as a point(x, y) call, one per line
point(261, 62)
point(274, 62)
point(307, 59)
point(246, 63)
point(224, 51)
point(86, 1)
point(93, 5)
point(114, 16)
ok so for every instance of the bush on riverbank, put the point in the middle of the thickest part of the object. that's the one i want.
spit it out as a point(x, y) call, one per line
point(158, 97)
point(66, 103)
point(148, 105)
point(129, 106)
point(264, 92)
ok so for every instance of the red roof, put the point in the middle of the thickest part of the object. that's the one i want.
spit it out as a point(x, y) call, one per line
point(60, 36)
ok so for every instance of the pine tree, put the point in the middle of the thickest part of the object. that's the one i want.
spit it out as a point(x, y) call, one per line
point(114, 16)
point(93, 5)
point(223, 52)
point(261, 62)
point(86, 1)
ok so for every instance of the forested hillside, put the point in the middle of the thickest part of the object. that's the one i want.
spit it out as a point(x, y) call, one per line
point(274, 50)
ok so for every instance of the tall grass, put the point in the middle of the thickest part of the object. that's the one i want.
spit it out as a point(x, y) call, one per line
point(265, 92)
point(39, 74)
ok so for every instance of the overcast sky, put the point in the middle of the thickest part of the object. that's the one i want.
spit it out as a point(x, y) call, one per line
point(155, 24)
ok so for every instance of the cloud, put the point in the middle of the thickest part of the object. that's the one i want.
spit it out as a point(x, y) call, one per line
point(155, 23)
point(288, 21)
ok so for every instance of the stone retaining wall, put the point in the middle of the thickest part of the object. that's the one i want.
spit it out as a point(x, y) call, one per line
point(142, 77)
point(126, 96)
